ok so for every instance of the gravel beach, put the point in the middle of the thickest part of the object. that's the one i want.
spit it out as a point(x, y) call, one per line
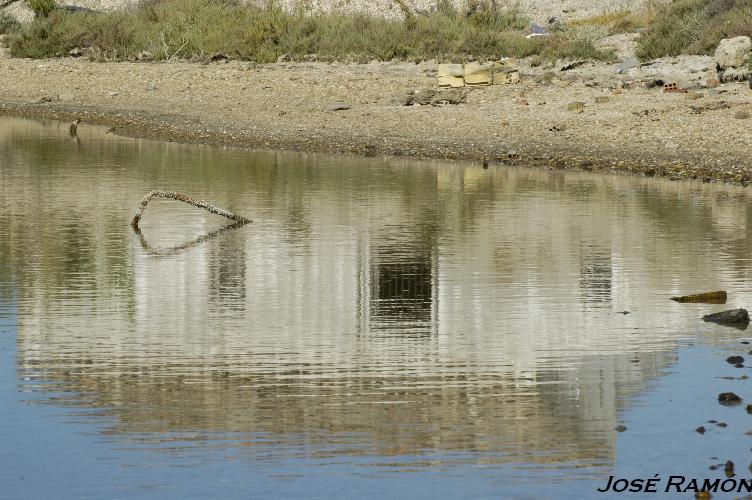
point(702, 135)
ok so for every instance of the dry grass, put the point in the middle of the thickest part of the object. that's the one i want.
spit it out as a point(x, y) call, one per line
point(694, 27)
point(198, 28)
point(624, 21)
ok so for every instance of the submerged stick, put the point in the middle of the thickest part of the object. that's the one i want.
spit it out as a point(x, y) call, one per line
point(185, 199)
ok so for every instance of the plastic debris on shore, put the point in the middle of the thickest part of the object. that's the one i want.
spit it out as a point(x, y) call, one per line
point(536, 30)
point(502, 72)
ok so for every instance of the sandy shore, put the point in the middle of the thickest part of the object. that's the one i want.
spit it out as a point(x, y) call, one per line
point(287, 106)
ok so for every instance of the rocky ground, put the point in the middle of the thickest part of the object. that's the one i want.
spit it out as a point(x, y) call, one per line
point(703, 134)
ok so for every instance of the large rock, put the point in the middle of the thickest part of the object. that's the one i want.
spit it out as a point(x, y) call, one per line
point(732, 317)
point(685, 71)
point(729, 399)
point(733, 52)
point(627, 64)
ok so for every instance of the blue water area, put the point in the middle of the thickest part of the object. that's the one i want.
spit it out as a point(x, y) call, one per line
point(385, 328)
point(52, 452)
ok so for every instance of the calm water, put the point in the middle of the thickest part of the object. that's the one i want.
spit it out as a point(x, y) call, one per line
point(383, 329)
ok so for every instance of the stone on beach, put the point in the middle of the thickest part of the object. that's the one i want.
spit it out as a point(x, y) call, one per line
point(627, 64)
point(430, 97)
point(733, 316)
point(733, 52)
point(577, 106)
point(734, 360)
point(685, 71)
point(338, 106)
point(729, 399)
point(732, 58)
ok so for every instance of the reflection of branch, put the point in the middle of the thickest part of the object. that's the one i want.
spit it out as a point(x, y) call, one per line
point(156, 252)
point(185, 199)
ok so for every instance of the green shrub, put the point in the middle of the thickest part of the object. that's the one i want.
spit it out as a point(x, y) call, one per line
point(8, 24)
point(199, 28)
point(694, 27)
point(42, 8)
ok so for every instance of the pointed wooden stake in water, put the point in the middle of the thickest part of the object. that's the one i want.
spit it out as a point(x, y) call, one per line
point(185, 199)
point(705, 298)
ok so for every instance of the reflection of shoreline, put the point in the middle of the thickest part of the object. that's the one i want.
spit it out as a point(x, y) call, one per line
point(177, 249)
point(402, 415)
point(444, 307)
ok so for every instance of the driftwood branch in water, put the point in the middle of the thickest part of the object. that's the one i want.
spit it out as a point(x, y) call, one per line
point(185, 199)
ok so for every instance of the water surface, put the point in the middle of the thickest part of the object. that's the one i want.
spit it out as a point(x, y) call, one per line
point(384, 328)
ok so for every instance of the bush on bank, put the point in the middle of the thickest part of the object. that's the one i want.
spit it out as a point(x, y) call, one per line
point(198, 28)
point(8, 24)
point(694, 27)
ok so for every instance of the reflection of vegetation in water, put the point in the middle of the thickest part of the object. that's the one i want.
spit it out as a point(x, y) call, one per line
point(228, 271)
point(463, 412)
point(595, 275)
point(402, 281)
point(719, 230)
point(257, 330)
point(436, 201)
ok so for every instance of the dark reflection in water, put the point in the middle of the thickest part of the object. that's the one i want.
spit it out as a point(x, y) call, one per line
point(401, 288)
point(595, 275)
point(378, 317)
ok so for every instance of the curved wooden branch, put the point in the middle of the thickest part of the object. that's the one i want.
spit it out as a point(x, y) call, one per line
point(185, 199)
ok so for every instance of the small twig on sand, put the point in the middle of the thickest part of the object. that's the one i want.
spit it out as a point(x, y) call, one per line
point(185, 199)
point(176, 52)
